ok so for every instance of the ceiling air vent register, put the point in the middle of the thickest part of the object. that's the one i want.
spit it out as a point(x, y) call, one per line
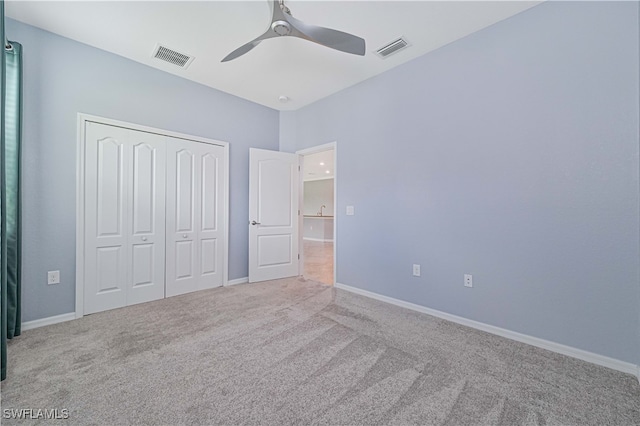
point(393, 47)
point(169, 55)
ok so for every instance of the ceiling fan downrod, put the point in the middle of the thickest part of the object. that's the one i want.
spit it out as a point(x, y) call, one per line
point(284, 8)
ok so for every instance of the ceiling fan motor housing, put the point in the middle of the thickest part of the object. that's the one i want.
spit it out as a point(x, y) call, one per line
point(281, 28)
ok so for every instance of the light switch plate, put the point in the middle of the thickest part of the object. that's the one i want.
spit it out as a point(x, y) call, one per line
point(350, 211)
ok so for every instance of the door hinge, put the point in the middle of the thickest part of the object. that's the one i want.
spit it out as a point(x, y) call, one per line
point(298, 256)
point(298, 168)
point(298, 212)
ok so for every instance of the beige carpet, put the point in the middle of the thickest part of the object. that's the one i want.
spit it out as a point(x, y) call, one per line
point(294, 352)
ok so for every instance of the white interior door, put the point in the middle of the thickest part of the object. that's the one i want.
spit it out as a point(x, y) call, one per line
point(124, 217)
point(273, 215)
point(195, 187)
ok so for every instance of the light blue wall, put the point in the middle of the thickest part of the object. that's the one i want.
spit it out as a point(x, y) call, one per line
point(63, 77)
point(511, 155)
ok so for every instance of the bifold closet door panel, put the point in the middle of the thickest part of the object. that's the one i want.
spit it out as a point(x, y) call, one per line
point(146, 248)
point(106, 200)
point(124, 217)
point(195, 179)
point(181, 276)
point(210, 224)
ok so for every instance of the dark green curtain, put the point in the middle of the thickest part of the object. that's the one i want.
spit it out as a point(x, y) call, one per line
point(3, 245)
point(10, 203)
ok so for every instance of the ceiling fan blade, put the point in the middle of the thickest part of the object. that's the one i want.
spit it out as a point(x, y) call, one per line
point(334, 39)
point(240, 51)
point(247, 47)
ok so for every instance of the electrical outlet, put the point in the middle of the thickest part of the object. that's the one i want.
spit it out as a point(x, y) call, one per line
point(416, 270)
point(468, 280)
point(53, 277)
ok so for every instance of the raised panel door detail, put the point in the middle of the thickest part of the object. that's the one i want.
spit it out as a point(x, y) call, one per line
point(274, 250)
point(274, 202)
point(142, 265)
point(184, 259)
point(143, 188)
point(208, 256)
point(184, 191)
point(209, 191)
point(110, 170)
point(108, 269)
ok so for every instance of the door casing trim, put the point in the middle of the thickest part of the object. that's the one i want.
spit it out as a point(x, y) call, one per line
point(314, 149)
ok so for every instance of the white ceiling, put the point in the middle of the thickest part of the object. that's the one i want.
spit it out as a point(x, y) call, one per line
point(319, 165)
point(303, 71)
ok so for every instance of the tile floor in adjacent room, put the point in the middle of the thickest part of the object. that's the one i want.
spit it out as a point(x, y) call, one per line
point(318, 261)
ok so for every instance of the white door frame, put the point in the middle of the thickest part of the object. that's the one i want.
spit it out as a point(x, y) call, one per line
point(80, 174)
point(319, 148)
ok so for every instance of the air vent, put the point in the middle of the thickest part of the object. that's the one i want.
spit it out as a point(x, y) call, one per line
point(169, 55)
point(393, 47)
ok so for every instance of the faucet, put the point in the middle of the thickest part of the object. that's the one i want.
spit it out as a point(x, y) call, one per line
point(322, 207)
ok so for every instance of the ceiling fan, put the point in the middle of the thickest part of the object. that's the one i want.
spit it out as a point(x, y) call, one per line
point(283, 24)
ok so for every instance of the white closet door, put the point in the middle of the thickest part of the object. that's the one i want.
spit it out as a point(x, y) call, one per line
point(106, 200)
point(209, 225)
point(146, 248)
point(195, 179)
point(124, 217)
point(181, 234)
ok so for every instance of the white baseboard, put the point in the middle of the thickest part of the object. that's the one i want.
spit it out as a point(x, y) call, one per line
point(29, 325)
point(625, 367)
point(237, 281)
point(320, 240)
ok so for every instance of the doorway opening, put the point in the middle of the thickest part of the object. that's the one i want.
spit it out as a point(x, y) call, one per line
point(318, 201)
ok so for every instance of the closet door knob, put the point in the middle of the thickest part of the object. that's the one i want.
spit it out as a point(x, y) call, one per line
point(184, 235)
point(144, 238)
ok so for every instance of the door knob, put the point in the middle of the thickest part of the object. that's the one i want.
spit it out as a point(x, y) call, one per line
point(253, 222)
point(184, 235)
point(144, 238)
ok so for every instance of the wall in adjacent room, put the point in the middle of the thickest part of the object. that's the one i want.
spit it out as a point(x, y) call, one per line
point(318, 193)
point(62, 78)
point(512, 155)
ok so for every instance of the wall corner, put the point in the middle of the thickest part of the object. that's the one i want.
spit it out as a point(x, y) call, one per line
point(288, 131)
